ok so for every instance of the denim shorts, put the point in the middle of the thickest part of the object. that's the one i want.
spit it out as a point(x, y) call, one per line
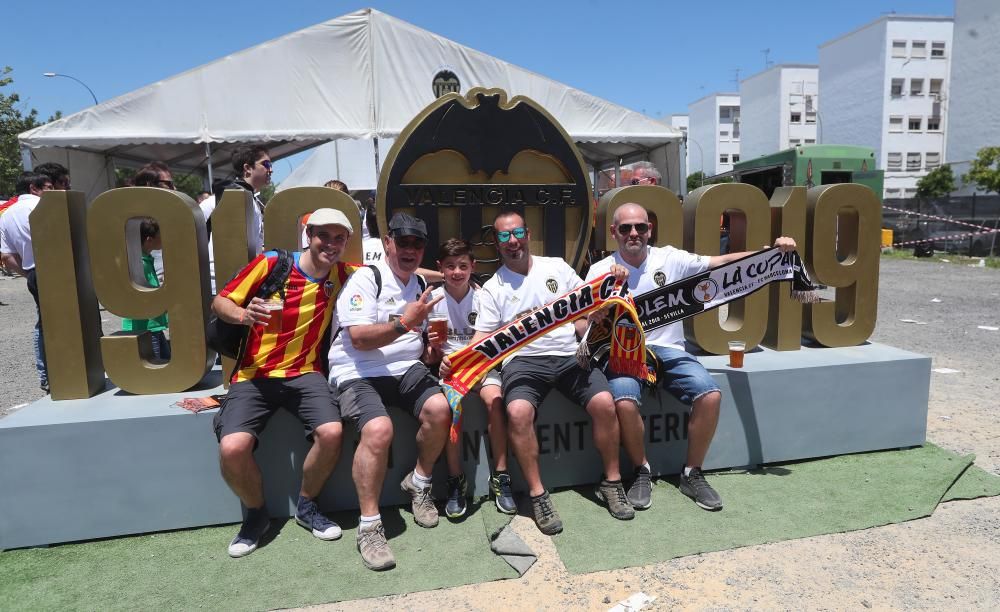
point(680, 374)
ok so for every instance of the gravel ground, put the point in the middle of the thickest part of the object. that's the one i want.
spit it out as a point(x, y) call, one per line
point(950, 560)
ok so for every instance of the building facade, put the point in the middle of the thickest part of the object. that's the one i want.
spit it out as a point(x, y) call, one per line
point(714, 133)
point(975, 85)
point(779, 109)
point(883, 86)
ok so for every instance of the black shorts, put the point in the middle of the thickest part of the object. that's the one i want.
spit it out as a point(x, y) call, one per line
point(250, 404)
point(364, 399)
point(531, 378)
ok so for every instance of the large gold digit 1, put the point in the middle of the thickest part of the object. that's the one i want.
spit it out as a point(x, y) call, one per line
point(844, 227)
point(784, 321)
point(751, 216)
point(233, 243)
point(70, 313)
point(282, 229)
point(664, 210)
point(183, 295)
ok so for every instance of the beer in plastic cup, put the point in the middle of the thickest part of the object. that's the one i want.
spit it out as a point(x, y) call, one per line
point(736, 350)
point(274, 307)
point(438, 323)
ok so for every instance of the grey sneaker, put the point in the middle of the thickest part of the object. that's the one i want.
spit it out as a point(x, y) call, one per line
point(375, 552)
point(640, 494)
point(255, 525)
point(425, 513)
point(502, 495)
point(309, 516)
point(613, 494)
point(546, 517)
point(456, 497)
point(695, 487)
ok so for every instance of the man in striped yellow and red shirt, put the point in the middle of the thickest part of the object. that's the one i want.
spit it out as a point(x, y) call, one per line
point(284, 368)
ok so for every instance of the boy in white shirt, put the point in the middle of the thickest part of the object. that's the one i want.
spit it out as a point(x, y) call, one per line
point(457, 263)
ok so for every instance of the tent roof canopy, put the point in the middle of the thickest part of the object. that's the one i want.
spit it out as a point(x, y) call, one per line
point(360, 76)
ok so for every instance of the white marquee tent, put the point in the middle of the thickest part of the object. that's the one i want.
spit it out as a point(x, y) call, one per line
point(364, 75)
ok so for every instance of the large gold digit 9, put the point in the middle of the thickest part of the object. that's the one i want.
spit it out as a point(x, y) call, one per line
point(183, 295)
point(751, 228)
point(664, 210)
point(844, 236)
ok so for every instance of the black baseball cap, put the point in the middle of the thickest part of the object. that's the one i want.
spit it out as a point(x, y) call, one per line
point(403, 224)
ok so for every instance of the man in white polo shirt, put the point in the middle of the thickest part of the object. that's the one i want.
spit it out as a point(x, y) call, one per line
point(375, 362)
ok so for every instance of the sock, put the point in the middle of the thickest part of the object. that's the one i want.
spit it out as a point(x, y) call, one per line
point(421, 481)
point(648, 469)
point(688, 468)
point(368, 521)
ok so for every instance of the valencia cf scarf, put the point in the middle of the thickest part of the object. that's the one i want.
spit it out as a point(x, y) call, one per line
point(470, 364)
point(706, 291)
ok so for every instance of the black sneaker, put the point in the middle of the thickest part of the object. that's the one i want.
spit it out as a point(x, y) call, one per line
point(695, 487)
point(546, 517)
point(255, 525)
point(502, 495)
point(309, 516)
point(640, 494)
point(456, 497)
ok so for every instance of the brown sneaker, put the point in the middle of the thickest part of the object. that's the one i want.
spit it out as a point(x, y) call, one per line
point(613, 494)
point(546, 517)
point(374, 549)
point(425, 513)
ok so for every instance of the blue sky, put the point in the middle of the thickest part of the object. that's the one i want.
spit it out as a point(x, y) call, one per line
point(653, 57)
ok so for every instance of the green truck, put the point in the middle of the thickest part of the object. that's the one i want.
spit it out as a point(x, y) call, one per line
point(810, 166)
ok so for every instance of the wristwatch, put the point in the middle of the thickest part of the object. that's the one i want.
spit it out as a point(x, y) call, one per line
point(397, 324)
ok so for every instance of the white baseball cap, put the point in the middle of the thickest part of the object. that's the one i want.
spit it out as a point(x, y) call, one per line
point(330, 216)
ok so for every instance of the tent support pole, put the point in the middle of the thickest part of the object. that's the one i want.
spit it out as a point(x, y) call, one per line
point(208, 163)
point(377, 161)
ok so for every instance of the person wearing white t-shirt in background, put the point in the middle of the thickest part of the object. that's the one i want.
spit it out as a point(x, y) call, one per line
point(459, 306)
point(525, 282)
point(680, 373)
point(375, 362)
point(18, 256)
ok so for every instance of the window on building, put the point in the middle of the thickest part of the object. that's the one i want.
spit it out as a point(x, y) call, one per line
point(736, 128)
point(899, 48)
point(810, 116)
point(916, 87)
point(736, 157)
point(934, 124)
point(794, 142)
point(796, 117)
point(892, 192)
point(724, 135)
point(897, 88)
point(914, 124)
point(894, 162)
point(724, 158)
point(913, 161)
point(918, 50)
point(896, 123)
point(810, 103)
point(932, 160)
point(910, 192)
point(723, 113)
point(810, 141)
point(937, 50)
point(935, 87)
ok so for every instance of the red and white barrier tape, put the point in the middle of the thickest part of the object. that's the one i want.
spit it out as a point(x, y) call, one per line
point(939, 238)
point(935, 217)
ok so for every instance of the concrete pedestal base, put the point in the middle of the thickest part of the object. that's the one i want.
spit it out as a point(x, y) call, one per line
point(119, 464)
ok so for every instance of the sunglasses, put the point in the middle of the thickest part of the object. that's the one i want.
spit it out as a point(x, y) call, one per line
point(626, 228)
point(646, 179)
point(267, 164)
point(165, 184)
point(409, 242)
point(518, 232)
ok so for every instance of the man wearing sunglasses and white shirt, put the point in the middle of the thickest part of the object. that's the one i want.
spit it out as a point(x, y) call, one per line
point(681, 374)
point(525, 282)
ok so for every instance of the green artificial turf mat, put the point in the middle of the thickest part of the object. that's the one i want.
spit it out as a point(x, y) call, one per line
point(775, 503)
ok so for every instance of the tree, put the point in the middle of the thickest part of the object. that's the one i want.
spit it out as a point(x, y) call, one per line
point(937, 183)
point(695, 180)
point(12, 123)
point(985, 170)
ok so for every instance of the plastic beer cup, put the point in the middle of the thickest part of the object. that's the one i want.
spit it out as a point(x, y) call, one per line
point(438, 324)
point(274, 307)
point(736, 350)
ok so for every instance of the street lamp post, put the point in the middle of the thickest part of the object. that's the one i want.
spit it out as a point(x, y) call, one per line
point(56, 74)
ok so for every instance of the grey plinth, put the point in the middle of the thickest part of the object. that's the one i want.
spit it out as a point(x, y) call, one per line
point(118, 464)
